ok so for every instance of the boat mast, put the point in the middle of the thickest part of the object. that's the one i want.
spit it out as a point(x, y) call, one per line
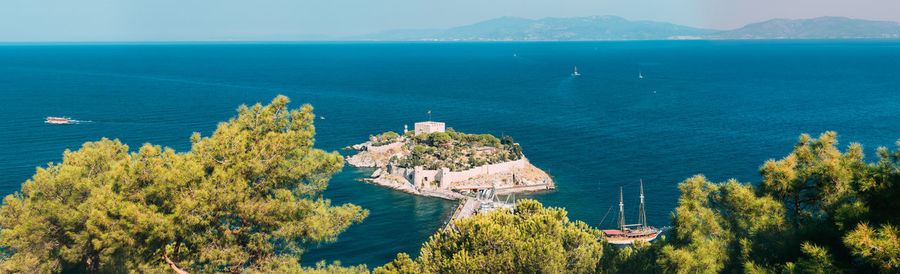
point(643, 217)
point(621, 211)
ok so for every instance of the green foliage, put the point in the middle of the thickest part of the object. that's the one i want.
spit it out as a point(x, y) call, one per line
point(532, 239)
point(287, 263)
point(879, 247)
point(714, 224)
point(385, 138)
point(815, 259)
point(814, 178)
point(818, 210)
point(459, 151)
point(403, 264)
point(322, 268)
point(439, 139)
point(475, 139)
point(637, 258)
point(810, 214)
point(246, 198)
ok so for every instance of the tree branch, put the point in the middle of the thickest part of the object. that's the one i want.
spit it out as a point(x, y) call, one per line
point(172, 264)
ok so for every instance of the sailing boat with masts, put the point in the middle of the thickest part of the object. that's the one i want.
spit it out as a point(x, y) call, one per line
point(628, 234)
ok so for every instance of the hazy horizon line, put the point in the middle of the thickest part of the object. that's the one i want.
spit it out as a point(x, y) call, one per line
point(325, 38)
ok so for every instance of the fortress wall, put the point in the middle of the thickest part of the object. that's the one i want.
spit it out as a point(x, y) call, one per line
point(445, 176)
point(459, 176)
point(422, 176)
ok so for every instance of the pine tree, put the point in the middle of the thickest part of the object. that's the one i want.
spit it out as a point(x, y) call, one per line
point(246, 198)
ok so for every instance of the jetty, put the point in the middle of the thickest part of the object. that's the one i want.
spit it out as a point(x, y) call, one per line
point(485, 200)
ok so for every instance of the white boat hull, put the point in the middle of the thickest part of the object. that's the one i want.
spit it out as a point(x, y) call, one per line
point(59, 120)
point(628, 241)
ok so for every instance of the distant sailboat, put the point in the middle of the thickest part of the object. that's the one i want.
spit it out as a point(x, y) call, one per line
point(576, 74)
point(625, 235)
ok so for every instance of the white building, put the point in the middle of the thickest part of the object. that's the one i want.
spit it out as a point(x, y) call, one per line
point(429, 127)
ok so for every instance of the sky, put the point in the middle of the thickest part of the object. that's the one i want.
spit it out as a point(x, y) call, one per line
point(224, 20)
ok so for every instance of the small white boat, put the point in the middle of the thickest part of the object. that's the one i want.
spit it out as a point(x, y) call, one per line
point(640, 76)
point(59, 120)
point(576, 74)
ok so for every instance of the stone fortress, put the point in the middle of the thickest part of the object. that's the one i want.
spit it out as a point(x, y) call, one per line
point(506, 177)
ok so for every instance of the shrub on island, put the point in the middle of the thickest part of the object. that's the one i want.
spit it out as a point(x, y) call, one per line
point(458, 151)
point(384, 138)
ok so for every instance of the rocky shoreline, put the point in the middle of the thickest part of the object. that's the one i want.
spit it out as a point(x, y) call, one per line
point(387, 182)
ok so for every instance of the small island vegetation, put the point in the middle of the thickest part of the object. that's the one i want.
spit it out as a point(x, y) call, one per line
point(384, 138)
point(457, 151)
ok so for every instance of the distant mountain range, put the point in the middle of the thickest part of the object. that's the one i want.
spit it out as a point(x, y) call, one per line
point(599, 28)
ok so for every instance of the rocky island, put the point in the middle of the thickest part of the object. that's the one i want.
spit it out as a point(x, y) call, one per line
point(438, 162)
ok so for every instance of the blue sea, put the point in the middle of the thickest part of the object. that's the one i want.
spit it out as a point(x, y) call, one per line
point(719, 108)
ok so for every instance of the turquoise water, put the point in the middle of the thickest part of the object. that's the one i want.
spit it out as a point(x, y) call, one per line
point(717, 108)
